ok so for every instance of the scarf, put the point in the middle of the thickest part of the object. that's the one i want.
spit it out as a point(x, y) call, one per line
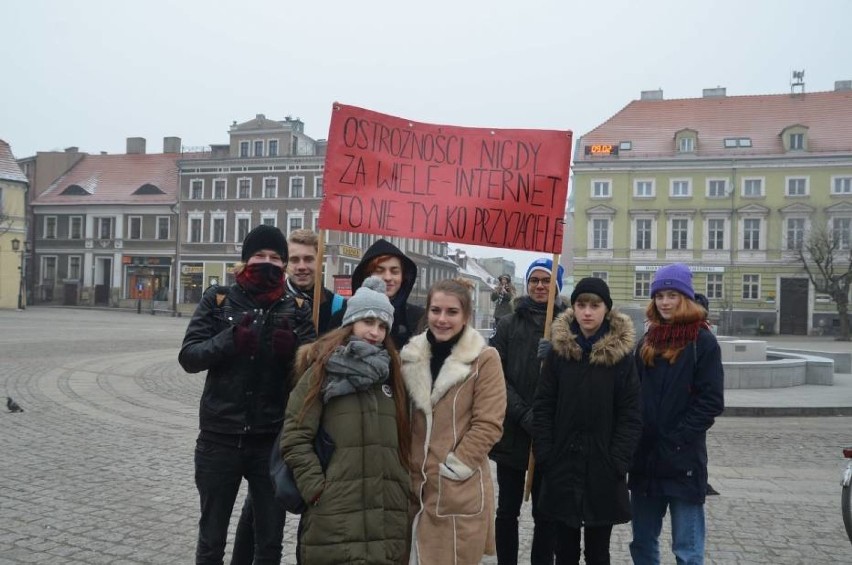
point(354, 367)
point(297, 292)
point(440, 351)
point(586, 343)
point(675, 336)
point(264, 281)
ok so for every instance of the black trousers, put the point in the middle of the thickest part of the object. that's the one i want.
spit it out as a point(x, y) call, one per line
point(510, 483)
point(567, 544)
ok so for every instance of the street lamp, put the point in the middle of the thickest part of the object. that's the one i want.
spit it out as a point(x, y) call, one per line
point(16, 246)
point(176, 262)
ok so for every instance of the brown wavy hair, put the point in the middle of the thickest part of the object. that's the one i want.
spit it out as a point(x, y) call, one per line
point(687, 313)
point(315, 356)
point(458, 287)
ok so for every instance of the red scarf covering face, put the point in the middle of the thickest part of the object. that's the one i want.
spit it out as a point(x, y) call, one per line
point(669, 338)
point(263, 281)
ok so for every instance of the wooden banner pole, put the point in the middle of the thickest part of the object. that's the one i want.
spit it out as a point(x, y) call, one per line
point(318, 286)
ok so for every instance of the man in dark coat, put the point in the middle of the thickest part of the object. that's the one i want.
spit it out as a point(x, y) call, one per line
point(245, 336)
point(386, 261)
point(516, 339)
point(587, 421)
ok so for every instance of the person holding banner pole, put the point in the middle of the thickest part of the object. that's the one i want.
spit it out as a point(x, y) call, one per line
point(385, 260)
point(517, 340)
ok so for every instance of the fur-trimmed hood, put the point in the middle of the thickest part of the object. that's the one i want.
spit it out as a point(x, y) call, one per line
point(609, 350)
point(417, 374)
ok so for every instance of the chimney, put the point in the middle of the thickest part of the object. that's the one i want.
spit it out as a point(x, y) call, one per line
point(718, 92)
point(842, 85)
point(72, 149)
point(135, 145)
point(171, 145)
point(652, 94)
point(259, 116)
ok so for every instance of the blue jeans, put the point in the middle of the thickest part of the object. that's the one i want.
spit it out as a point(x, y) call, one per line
point(687, 529)
point(221, 463)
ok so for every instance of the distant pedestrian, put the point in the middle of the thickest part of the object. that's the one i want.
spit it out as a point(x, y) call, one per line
point(502, 296)
point(587, 423)
point(245, 336)
point(680, 368)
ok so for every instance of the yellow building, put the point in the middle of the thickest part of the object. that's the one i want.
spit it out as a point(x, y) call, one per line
point(13, 241)
point(731, 186)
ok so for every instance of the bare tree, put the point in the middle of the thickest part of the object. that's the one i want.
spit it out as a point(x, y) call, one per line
point(826, 255)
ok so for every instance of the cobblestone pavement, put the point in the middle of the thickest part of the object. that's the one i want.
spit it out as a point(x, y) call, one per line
point(98, 469)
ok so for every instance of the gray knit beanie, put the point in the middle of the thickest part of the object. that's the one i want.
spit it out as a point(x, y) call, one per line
point(369, 301)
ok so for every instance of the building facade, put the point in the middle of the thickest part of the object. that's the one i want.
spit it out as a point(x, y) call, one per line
point(731, 186)
point(13, 230)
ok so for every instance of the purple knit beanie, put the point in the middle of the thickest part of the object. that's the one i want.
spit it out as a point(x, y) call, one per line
point(676, 276)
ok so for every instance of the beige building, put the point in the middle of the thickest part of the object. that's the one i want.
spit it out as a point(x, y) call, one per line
point(13, 233)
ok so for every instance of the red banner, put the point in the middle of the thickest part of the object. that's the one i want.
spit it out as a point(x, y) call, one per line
point(498, 188)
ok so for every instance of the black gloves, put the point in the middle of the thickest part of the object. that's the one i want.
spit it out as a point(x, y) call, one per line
point(245, 336)
point(284, 343)
point(544, 349)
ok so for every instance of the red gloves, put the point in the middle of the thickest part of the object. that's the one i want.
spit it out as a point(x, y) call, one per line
point(245, 336)
point(284, 342)
point(247, 341)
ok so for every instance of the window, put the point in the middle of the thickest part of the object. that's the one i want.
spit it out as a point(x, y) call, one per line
point(295, 223)
point(316, 222)
point(134, 227)
point(196, 189)
point(75, 227)
point(297, 187)
point(643, 233)
point(752, 187)
point(258, 148)
point(643, 188)
point(270, 187)
point(797, 141)
point(217, 231)
point(219, 187)
point(795, 233)
point(273, 148)
point(74, 267)
point(600, 234)
point(195, 226)
point(244, 149)
point(625, 146)
point(686, 145)
point(716, 234)
point(751, 287)
point(751, 234)
point(317, 187)
point(243, 227)
point(841, 229)
point(744, 142)
point(103, 228)
point(680, 233)
point(244, 188)
point(347, 268)
point(603, 275)
point(600, 189)
point(681, 188)
point(163, 227)
point(715, 285)
point(732, 142)
point(841, 185)
point(48, 271)
point(50, 227)
point(717, 188)
point(269, 220)
point(642, 285)
point(797, 186)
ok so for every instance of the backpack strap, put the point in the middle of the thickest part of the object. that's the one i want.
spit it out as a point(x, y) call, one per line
point(336, 303)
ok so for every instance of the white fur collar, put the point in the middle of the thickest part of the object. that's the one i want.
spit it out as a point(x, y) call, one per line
point(418, 376)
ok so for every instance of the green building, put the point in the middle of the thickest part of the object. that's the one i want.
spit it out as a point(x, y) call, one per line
point(731, 186)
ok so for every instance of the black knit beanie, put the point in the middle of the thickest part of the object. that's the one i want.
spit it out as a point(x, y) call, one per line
point(264, 237)
point(592, 285)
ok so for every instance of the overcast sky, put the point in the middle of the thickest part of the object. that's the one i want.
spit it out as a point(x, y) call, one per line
point(92, 73)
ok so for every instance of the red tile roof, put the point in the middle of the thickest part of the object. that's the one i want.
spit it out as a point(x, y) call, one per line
point(651, 124)
point(113, 179)
point(9, 169)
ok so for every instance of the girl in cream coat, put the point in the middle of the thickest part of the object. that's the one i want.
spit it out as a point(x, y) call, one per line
point(458, 401)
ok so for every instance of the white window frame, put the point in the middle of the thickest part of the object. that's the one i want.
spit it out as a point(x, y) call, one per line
point(642, 288)
point(254, 146)
point(99, 221)
point(239, 188)
point(265, 216)
point(224, 182)
point(846, 233)
point(726, 233)
point(315, 221)
point(725, 190)
point(601, 188)
point(752, 284)
point(788, 180)
point(270, 143)
point(686, 144)
point(189, 219)
point(82, 231)
point(318, 186)
point(130, 220)
point(797, 141)
point(168, 227)
point(761, 241)
point(841, 181)
point(714, 281)
point(634, 240)
point(347, 268)
point(672, 184)
point(592, 230)
point(274, 187)
point(238, 216)
point(785, 229)
point(79, 274)
point(247, 145)
point(652, 184)
point(43, 270)
point(295, 215)
point(603, 275)
point(745, 180)
point(292, 179)
point(48, 233)
point(192, 183)
point(670, 233)
point(218, 215)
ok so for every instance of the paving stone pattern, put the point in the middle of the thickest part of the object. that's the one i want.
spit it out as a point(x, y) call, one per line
point(98, 469)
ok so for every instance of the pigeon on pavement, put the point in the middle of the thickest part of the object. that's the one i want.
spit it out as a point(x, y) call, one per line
point(12, 405)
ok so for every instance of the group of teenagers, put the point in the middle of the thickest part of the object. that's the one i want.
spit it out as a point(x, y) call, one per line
point(415, 402)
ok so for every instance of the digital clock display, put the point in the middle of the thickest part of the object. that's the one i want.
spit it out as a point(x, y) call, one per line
point(602, 149)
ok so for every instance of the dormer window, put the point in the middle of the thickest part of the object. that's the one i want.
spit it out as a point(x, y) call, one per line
point(686, 140)
point(797, 141)
point(795, 138)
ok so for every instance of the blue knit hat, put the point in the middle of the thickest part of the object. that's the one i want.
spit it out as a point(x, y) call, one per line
point(546, 265)
point(676, 276)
